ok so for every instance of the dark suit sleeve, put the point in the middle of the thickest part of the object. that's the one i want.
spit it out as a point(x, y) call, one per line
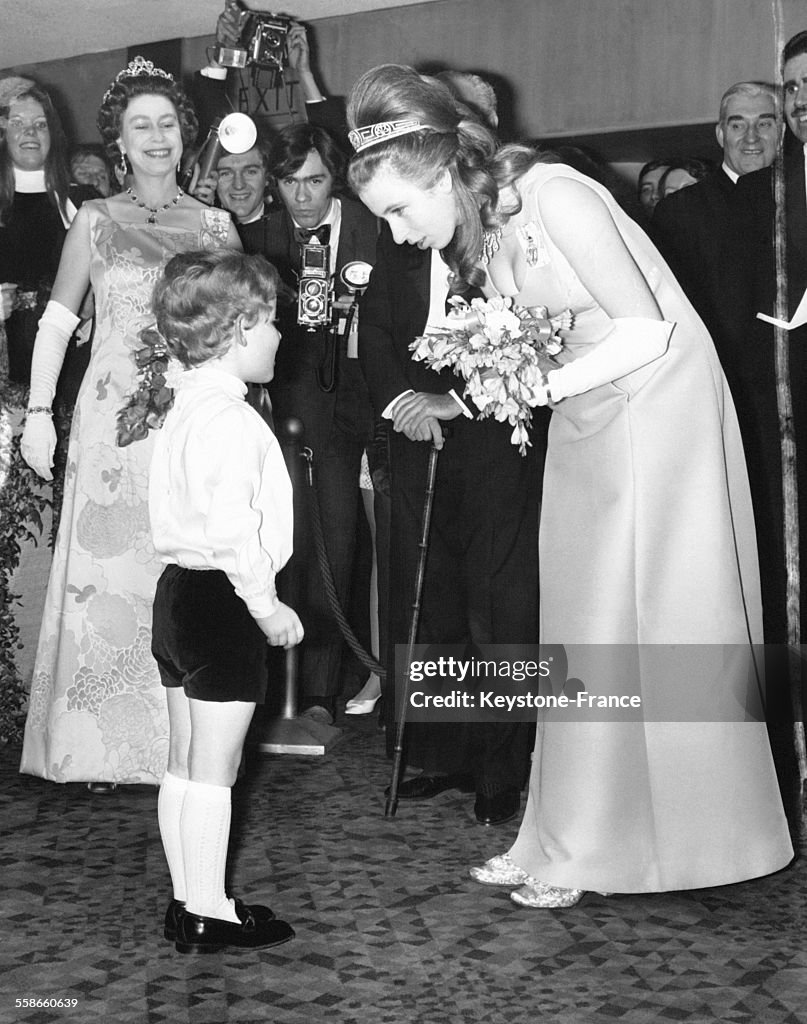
point(384, 364)
point(668, 232)
point(391, 315)
point(209, 100)
point(330, 113)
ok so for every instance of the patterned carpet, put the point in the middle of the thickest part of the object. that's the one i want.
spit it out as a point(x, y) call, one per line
point(390, 928)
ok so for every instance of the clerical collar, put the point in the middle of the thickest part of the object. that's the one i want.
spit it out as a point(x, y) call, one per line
point(730, 173)
point(29, 181)
point(258, 215)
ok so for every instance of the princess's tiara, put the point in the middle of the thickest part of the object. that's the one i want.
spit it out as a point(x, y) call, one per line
point(362, 138)
point(137, 67)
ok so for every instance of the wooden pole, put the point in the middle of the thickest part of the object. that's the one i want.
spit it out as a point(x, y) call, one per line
point(789, 456)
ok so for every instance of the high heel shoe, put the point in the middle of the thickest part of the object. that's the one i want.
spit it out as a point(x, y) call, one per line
point(500, 871)
point(539, 894)
point(361, 707)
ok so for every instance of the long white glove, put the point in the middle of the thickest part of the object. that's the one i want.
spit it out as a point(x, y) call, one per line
point(38, 442)
point(634, 342)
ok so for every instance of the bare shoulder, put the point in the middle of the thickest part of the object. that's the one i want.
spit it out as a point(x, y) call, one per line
point(568, 204)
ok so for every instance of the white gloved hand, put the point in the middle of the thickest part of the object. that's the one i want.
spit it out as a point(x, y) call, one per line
point(634, 342)
point(38, 444)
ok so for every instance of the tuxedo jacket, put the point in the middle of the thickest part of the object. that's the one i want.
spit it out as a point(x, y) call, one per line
point(696, 230)
point(755, 396)
point(315, 380)
point(757, 208)
point(394, 312)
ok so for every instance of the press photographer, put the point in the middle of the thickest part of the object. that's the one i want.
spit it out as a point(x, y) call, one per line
point(311, 234)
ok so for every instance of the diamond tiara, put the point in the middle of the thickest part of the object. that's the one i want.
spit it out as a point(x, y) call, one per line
point(137, 68)
point(362, 138)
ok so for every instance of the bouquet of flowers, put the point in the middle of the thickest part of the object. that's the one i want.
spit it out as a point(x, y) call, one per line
point(156, 378)
point(502, 351)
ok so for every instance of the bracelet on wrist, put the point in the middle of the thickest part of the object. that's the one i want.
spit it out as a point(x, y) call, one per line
point(33, 410)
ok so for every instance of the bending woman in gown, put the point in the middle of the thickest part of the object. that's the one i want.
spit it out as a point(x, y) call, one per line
point(647, 535)
point(97, 711)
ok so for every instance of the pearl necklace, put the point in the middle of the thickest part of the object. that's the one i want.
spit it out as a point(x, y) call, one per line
point(154, 210)
point(490, 245)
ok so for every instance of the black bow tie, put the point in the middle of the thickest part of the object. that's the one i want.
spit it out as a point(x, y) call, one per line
point(304, 235)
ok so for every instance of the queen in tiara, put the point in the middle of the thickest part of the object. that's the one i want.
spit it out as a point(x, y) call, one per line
point(649, 581)
point(97, 710)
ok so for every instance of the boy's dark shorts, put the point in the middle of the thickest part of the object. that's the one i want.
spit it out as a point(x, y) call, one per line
point(204, 638)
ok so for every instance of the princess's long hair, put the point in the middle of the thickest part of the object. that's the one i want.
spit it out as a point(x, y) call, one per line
point(451, 138)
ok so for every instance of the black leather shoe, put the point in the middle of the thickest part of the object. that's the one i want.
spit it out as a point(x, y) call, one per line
point(176, 907)
point(424, 787)
point(497, 808)
point(196, 934)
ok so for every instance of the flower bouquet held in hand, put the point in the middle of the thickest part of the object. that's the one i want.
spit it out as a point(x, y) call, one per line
point(157, 375)
point(503, 352)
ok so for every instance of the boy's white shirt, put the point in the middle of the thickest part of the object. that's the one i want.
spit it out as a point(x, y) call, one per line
point(219, 493)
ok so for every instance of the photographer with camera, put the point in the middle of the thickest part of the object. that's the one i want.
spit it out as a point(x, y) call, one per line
point(239, 181)
point(323, 244)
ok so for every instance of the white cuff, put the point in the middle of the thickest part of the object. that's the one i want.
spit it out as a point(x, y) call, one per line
point(387, 413)
point(466, 412)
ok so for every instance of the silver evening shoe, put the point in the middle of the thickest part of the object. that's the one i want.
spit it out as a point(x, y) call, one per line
point(539, 894)
point(500, 870)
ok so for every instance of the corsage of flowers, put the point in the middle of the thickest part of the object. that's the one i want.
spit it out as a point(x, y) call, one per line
point(157, 376)
point(502, 352)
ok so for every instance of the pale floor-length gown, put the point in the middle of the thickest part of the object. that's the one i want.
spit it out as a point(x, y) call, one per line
point(97, 710)
point(647, 549)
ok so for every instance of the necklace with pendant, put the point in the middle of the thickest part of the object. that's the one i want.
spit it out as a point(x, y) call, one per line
point(154, 210)
point(490, 245)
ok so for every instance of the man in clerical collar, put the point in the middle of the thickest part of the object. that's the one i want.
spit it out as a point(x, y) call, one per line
point(241, 184)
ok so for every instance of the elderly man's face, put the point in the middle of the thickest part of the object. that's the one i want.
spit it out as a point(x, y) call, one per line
point(747, 133)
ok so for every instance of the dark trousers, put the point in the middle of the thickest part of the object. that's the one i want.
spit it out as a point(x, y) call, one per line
point(481, 578)
point(336, 428)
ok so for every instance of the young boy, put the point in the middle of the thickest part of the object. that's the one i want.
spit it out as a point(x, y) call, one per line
point(221, 516)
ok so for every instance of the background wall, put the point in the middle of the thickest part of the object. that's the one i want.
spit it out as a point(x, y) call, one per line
point(631, 77)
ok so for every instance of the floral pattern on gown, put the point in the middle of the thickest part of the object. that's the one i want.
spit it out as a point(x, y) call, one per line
point(97, 709)
point(646, 540)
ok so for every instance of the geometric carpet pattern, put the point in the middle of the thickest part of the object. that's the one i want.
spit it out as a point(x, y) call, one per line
point(390, 928)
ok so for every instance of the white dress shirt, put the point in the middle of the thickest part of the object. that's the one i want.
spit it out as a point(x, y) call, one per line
point(219, 493)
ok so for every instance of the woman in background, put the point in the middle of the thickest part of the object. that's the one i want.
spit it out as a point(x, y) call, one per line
point(37, 206)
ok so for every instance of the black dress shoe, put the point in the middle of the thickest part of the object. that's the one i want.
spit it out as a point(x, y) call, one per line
point(424, 787)
point(497, 808)
point(197, 934)
point(175, 908)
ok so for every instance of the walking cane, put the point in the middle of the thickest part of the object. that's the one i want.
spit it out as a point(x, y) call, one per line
point(423, 544)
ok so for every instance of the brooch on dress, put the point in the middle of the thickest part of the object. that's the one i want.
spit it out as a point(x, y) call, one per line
point(532, 242)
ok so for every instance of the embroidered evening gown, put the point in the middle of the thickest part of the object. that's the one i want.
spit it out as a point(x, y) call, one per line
point(97, 711)
point(646, 538)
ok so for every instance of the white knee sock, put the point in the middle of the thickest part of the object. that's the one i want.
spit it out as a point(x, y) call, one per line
point(169, 809)
point(205, 826)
